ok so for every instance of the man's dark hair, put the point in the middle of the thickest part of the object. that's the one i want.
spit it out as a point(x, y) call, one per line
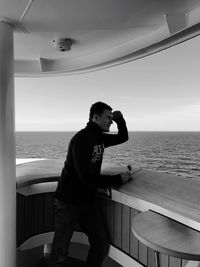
point(98, 108)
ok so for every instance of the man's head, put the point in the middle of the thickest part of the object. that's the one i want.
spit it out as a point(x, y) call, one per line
point(101, 114)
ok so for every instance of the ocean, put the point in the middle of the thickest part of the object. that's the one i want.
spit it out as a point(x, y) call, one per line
point(171, 152)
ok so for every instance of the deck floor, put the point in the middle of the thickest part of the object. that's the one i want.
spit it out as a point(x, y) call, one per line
point(78, 252)
point(70, 262)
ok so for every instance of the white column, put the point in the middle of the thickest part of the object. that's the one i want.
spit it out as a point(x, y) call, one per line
point(7, 149)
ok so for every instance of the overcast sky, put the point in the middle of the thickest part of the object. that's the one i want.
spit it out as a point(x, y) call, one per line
point(157, 93)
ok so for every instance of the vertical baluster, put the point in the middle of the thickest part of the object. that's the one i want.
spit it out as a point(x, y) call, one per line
point(174, 262)
point(164, 260)
point(21, 235)
point(118, 224)
point(48, 212)
point(134, 244)
point(125, 228)
point(151, 258)
point(184, 263)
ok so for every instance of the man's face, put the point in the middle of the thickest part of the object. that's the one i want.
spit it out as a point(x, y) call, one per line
point(104, 120)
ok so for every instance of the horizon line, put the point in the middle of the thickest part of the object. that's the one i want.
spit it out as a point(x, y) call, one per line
point(56, 131)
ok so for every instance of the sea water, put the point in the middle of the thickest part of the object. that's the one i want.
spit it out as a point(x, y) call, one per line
point(172, 152)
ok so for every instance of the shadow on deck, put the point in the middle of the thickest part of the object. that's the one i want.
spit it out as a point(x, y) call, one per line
point(77, 254)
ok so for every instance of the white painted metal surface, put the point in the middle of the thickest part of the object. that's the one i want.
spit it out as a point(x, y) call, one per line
point(103, 33)
point(25, 160)
point(7, 150)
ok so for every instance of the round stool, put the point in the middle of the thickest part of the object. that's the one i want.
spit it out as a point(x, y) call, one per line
point(166, 236)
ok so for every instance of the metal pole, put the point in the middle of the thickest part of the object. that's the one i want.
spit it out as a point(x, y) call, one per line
point(7, 149)
point(157, 261)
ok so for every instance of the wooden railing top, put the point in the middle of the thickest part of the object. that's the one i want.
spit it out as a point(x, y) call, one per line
point(174, 196)
point(34, 172)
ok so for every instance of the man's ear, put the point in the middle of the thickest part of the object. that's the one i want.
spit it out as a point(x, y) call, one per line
point(95, 118)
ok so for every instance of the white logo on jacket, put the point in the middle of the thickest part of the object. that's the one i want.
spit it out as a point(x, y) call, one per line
point(97, 153)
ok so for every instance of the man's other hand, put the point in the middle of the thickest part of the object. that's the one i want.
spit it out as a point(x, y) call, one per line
point(126, 177)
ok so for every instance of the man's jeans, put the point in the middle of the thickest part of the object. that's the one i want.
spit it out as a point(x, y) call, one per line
point(88, 216)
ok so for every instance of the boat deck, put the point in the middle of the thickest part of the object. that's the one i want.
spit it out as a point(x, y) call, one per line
point(174, 197)
point(35, 258)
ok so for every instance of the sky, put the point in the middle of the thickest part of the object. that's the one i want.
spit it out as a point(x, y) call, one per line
point(160, 92)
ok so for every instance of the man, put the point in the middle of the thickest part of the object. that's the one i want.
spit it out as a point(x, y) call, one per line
point(79, 181)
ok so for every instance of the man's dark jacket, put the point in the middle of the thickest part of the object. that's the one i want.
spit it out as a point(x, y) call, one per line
point(81, 176)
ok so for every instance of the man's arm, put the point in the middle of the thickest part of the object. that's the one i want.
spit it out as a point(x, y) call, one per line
point(121, 136)
point(81, 151)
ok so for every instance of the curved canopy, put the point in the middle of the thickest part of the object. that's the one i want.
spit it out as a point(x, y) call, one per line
point(96, 33)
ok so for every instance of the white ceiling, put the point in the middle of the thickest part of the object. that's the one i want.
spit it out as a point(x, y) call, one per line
point(104, 32)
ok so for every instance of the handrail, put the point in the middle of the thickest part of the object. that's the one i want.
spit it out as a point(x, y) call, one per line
point(173, 196)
